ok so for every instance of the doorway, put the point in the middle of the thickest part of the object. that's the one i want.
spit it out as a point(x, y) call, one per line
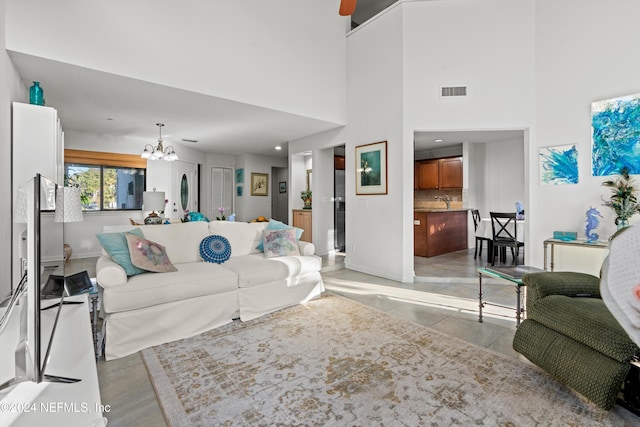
point(494, 172)
point(279, 194)
point(339, 198)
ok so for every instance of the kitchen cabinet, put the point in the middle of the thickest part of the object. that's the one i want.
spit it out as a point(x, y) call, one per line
point(439, 232)
point(432, 174)
point(427, 174)
point(450, 173)
point(302, 219)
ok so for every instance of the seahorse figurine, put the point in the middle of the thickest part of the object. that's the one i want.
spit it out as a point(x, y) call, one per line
point(592, 223)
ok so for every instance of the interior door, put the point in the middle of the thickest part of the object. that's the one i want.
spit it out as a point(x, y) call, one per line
point(185, 188)
point(221, 191)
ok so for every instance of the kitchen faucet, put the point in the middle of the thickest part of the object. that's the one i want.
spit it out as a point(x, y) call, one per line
point(446, 200)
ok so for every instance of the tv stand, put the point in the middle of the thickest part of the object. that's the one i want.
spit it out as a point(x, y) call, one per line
point(64, 401)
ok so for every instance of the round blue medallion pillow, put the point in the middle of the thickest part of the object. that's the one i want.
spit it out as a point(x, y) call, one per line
point(215, 248)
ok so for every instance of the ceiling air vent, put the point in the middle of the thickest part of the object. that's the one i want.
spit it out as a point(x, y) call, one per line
point(193, 141)
point(447, 91)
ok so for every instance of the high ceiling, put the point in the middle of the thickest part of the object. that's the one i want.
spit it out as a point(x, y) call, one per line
point(366, 9)
point(108, 104)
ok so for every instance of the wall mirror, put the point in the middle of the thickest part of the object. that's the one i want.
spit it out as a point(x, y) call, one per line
point(309, 175)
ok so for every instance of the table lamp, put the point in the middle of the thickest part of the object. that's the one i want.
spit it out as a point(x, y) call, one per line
point(153, 201)
point(68, 209)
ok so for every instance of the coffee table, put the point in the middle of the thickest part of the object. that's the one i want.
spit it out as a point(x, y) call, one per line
point(511, 274)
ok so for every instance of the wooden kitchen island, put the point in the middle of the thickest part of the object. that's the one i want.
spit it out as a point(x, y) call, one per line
point(437, 232)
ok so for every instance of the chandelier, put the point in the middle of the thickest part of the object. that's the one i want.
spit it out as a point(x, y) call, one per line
point(159, 152)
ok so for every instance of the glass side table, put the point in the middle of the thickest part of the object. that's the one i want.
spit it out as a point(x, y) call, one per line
point(511, 274)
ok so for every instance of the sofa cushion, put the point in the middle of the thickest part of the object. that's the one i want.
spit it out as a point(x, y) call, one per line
point(585, 320)
point(148, 255)
point(277, 225)
point(255, 269)
point(181, 240)
point(115, 245)
point(215, 248)
point(280, 243)
point(243, 236)
point(192, 280)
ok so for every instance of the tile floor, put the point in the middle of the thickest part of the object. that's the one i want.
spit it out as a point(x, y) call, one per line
point(444, 296)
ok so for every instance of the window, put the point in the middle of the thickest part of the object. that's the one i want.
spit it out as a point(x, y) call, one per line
point(105, 184)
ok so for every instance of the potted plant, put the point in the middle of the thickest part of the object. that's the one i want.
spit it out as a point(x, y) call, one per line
point(623, 199)
point(306, 198)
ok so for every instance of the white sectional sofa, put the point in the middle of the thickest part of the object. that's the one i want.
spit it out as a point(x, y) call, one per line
point(148, 309)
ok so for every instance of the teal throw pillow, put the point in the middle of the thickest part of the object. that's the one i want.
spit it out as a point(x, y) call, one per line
point(277, 225)
point(115, 244)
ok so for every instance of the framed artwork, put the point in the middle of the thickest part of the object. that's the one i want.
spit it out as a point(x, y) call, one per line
point(615, 125)
point(371, 168)
point(283, 186)
point(558, 165)
point(240, 176)
point(259, 184)
point(239, 190)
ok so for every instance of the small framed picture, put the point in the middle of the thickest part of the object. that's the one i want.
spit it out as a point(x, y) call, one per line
point(371, 169)
point(283, 186)
point(259, 184)
point(239, 190)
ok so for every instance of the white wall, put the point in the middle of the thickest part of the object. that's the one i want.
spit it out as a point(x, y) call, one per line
point(396, 65)
point(503, 176)
point(322, 218)
point(11, 89)
point(249, 207)
point(265, 53)
point(584, 52)
point(378, 241)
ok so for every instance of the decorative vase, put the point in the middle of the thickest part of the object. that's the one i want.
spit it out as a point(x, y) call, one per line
point(307, 204)
point(36, 94)
point(622, 224)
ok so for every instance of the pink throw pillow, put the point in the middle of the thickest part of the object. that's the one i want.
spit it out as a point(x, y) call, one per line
point(148, 255)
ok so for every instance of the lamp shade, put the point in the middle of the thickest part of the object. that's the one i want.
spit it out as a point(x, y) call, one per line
point(68, 205)
point(153, 201)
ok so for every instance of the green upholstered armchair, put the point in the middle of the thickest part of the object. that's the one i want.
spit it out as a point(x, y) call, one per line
point(570, 333)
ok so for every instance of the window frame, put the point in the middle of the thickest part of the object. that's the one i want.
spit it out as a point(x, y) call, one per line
point(104, 160)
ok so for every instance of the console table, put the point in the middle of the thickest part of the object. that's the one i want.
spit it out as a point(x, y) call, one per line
point(72, 355)
point(582, 243)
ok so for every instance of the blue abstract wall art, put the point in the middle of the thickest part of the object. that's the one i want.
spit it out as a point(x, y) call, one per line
point(615, 140)
point(559, 165)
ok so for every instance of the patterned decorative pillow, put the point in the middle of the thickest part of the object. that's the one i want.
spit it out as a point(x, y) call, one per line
point(148, 255)
point(280, 242)
point(277, 225)
point(115, 244)
point(215, 248)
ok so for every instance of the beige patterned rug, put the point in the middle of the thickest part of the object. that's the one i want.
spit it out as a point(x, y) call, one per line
point(334, 362)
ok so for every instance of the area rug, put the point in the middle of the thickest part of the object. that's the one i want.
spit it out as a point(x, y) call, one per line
point(334, 362)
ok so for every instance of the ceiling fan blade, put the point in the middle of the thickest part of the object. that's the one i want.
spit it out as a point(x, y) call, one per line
point(347, 7)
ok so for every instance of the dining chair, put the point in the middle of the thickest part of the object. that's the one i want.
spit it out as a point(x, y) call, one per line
point(505, 235)
point(475, 214)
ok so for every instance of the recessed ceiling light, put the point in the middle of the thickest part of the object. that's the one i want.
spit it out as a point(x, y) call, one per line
point(438, 140)
point(278, 147)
